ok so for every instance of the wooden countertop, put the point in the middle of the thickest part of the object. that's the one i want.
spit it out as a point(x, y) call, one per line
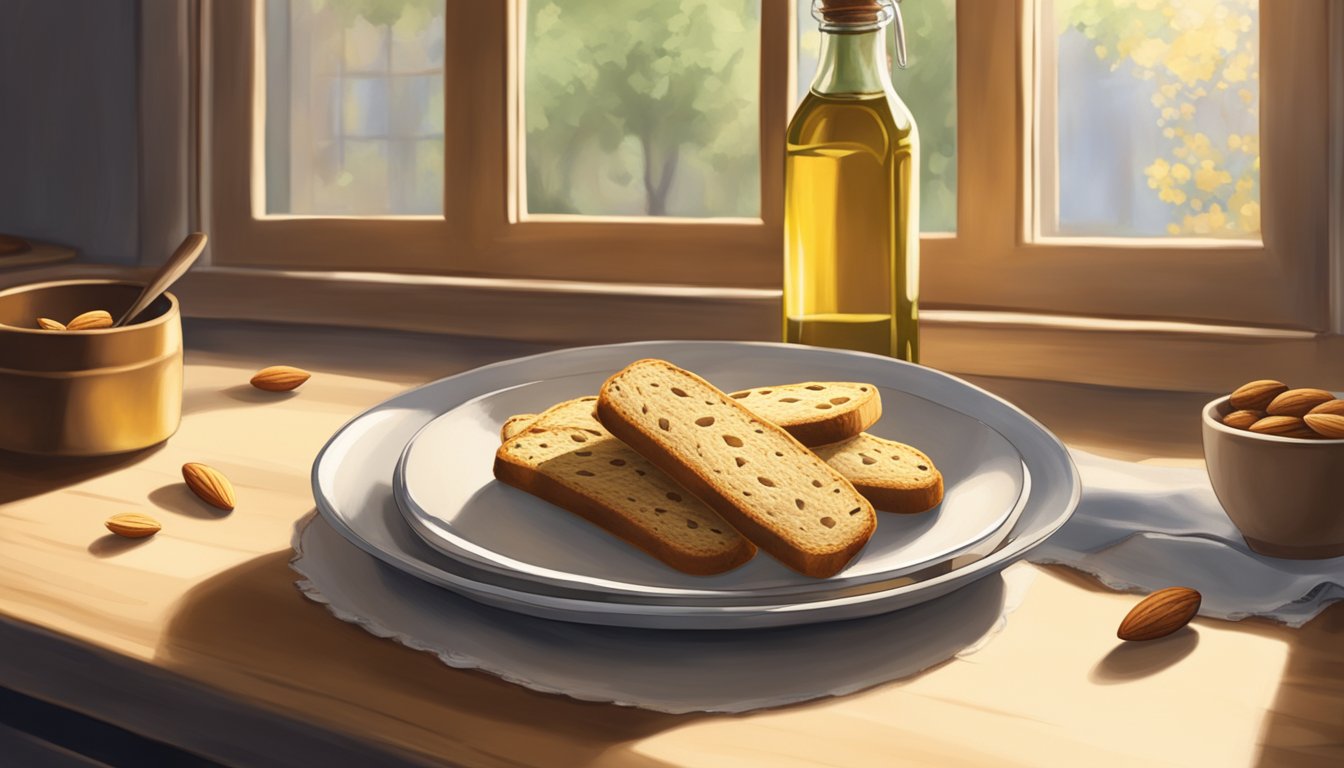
point(198, 637)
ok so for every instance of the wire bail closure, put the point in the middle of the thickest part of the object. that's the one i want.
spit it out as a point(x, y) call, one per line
point(884, 12)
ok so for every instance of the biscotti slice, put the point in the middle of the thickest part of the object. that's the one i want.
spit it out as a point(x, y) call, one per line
point(765, 483)
point(516, 424)
point(595, 476)
point(894, 476)
point(816, 412)
point(571, 413)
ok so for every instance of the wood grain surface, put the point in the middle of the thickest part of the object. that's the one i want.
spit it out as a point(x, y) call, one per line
point(212, 648)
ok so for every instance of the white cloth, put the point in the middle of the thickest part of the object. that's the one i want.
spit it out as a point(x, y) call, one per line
point(1140, 528)
point(666, 671)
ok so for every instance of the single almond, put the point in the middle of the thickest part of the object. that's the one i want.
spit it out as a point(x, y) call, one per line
point(47, 324)
point(1160, 614)
point(132, 525)
point(279, 378)
point(1298, 402)
point(212, 487)
point(1282, 426)
point(1335, 407)
point(95, 318)
point(1329, 425)
point(1243, 419)
point(1257, 395)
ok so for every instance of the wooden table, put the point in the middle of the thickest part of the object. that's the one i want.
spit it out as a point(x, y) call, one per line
point(198, 637)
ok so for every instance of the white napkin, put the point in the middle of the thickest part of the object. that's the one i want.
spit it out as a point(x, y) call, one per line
point(1141, 527)
point(666, 671)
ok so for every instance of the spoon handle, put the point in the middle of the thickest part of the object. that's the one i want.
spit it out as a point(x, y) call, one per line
point(177, 264)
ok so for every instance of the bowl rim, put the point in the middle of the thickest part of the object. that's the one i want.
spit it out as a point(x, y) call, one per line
point(1209, 421)
point(173, 306)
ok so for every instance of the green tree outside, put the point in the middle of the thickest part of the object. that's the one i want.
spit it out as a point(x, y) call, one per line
point(647, 83)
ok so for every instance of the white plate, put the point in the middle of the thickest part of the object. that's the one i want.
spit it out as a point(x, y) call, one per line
point(470, 516)
point(352, 484)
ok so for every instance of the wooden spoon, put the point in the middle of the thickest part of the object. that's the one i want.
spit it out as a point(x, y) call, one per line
point(175, 267)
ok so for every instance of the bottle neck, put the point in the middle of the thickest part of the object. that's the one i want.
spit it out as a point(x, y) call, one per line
point(853, 64)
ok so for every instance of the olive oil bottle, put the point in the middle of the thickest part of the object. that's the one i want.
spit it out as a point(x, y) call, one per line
point(851, 194)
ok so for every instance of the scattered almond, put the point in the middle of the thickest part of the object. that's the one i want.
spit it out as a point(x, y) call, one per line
point(1257, 395)
point(1328, 425)
point(132, 525)
point(279, 378)
point(95, 318)
point(1298, 402)
point(1243, 419)
point(47, 324)
point(1283, 426)
point(1335, 407)
point(212, 487)
point(1160, 614)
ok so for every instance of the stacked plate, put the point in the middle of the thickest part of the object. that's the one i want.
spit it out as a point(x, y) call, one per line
point(410, 482)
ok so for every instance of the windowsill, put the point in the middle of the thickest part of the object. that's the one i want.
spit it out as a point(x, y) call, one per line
point(38, 255)
point(1141, 354)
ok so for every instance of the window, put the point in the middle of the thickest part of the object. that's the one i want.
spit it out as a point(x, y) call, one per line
point(641, 108)
point(506, 211)
point(1153, 115)
point(354, 108)
point(1082, 157)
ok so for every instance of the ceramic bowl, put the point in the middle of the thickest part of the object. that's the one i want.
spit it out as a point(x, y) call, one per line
point(87, 393)
point(1282, 493)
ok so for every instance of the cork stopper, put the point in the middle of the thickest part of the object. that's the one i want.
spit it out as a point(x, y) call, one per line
point(851, 11)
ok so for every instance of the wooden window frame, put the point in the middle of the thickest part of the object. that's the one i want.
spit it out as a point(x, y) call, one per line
point(995, 261)
point(482, 232)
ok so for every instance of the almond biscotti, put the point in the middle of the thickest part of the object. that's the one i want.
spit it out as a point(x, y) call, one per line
point(894, 476)
point(816, 412)
point(777, 493)
point(592, 474)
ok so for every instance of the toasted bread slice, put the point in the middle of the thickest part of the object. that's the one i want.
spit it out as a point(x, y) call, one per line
point(571, 413)
point(816, 412)
point(596, 476)
point(764, 482)
point(517, 424)
point(894, 476)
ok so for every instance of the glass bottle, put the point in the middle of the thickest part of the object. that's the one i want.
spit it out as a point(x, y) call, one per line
point(851, 193)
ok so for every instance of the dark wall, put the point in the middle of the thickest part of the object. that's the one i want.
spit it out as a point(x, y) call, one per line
point(68, 109)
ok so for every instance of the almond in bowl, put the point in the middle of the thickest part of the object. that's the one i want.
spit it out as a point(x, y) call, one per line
point(1276, 474)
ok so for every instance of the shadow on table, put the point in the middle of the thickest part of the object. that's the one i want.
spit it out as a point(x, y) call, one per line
point(1132, 661)
point(23, 476)
point(1304, 728)
point(249, 631)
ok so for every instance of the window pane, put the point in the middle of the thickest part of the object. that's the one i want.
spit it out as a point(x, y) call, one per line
point(928, 86)
point(354, 107)
point(1155, 118)
point(643, 107)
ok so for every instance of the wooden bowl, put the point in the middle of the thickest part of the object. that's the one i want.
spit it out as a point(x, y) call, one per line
point(87, 393)
point(1282, 493)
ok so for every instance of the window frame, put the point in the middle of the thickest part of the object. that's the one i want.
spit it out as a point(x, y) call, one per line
point(482, 232)
point(995, 261)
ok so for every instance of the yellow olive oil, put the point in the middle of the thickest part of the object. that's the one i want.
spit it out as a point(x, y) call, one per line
point(851, 277)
